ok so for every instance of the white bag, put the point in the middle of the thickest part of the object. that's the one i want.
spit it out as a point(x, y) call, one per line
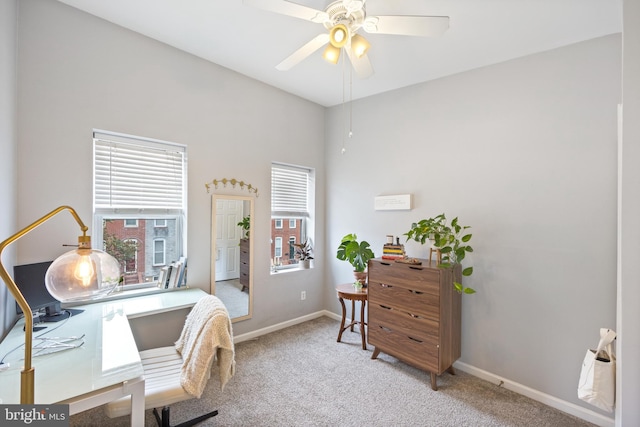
point(597, 384)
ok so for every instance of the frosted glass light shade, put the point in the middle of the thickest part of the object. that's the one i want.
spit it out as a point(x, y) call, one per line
point(331, 54)
point(81, 275)
point(360, 45)
point(339, 35)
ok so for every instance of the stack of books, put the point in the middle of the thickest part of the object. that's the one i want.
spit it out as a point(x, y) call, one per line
point(390, 251)
point(173, 275)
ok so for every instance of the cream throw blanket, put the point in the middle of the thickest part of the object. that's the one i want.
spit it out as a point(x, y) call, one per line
point(206, 333)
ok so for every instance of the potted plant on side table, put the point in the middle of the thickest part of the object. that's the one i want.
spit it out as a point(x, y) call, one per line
point(357, 254)
point(450, 240)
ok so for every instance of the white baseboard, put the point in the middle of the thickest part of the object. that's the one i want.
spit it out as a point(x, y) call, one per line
point(255, 334)
point(554, 402)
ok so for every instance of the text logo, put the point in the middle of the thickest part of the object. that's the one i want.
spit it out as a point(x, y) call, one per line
point(34, 415)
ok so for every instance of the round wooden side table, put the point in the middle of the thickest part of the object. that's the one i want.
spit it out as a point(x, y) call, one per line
point(349, 292)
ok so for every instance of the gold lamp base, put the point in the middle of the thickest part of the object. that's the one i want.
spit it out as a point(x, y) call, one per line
point(27, 389)
point(27, 375)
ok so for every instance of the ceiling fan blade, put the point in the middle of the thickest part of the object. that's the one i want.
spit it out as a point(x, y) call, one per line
point(407, 25)
point(316, 43)
point(361, 65)
point(290, 9)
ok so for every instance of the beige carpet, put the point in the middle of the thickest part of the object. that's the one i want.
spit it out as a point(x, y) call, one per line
point(301, 376)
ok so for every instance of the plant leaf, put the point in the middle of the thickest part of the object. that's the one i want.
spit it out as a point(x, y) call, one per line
point(466, 238)
point(467, 271)
point(469, 291)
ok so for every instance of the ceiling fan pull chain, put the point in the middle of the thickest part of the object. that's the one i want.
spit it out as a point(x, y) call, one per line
point(350, 102)
point(344, 120)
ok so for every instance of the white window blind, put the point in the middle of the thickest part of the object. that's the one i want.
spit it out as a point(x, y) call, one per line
point(289, 191)
point(141, 174)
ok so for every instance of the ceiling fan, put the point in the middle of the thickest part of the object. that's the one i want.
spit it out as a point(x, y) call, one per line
point(343, 19)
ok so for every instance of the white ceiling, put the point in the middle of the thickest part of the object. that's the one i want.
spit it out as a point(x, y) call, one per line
point(252, 41)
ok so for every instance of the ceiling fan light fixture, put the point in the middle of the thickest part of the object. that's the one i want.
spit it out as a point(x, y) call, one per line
point(339, 35)
point(331, 54)
point(359, 45)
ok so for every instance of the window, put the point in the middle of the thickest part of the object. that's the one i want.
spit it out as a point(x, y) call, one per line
point(158, 252)
point(292, 199)
point(139, 203)
point(130, 222)
point(278, 248)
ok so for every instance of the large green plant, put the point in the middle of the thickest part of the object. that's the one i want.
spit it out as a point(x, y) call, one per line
point(356, 253)
point(245, 224)
point(452, 241)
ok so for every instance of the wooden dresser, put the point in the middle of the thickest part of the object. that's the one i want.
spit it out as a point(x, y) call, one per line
point(415, 314)
point(244, 264)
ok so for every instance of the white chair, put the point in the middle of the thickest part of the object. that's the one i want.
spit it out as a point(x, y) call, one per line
point(180, 372)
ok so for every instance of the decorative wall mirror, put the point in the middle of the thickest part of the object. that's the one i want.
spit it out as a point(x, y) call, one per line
point(232, 254)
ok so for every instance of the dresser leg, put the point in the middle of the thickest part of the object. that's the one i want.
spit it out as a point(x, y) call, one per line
point(451, 370)
point(376, 352)
point(434, 385)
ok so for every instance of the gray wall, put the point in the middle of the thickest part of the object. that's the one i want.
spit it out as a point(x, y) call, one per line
point(628, 385)
point(8, 141)
point(78, 72)
point(525, 153)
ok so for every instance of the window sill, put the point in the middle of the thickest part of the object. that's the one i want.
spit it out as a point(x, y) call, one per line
point(129, 293)
point(289, 270)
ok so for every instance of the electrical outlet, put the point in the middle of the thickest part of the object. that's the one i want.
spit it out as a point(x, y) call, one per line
point(303, 295)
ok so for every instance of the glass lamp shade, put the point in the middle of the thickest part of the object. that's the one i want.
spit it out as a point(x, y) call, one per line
point(81, 275)
point(339, 36)
point(331, 54)
point(360, 45)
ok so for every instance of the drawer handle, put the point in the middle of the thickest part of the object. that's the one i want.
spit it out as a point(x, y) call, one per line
point(416, 340)
point(385, 307)
point(384, 285)
point(384, 328)
point(416, 292)
point(385, 263)
point(415, 268)
point(415, 316)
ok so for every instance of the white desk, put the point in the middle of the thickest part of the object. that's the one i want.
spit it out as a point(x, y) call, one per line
point(106, 367)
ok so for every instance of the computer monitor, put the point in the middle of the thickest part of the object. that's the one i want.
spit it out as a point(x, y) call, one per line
point(30, 281)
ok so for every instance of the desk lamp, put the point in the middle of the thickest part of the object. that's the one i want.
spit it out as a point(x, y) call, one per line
point(83, 273)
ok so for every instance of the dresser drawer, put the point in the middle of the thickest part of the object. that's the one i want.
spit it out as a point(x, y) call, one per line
point(413, 302)
point(415, 277)
point(417, 352)
point(419, 327)
point(244, 269)
point(244, 274)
